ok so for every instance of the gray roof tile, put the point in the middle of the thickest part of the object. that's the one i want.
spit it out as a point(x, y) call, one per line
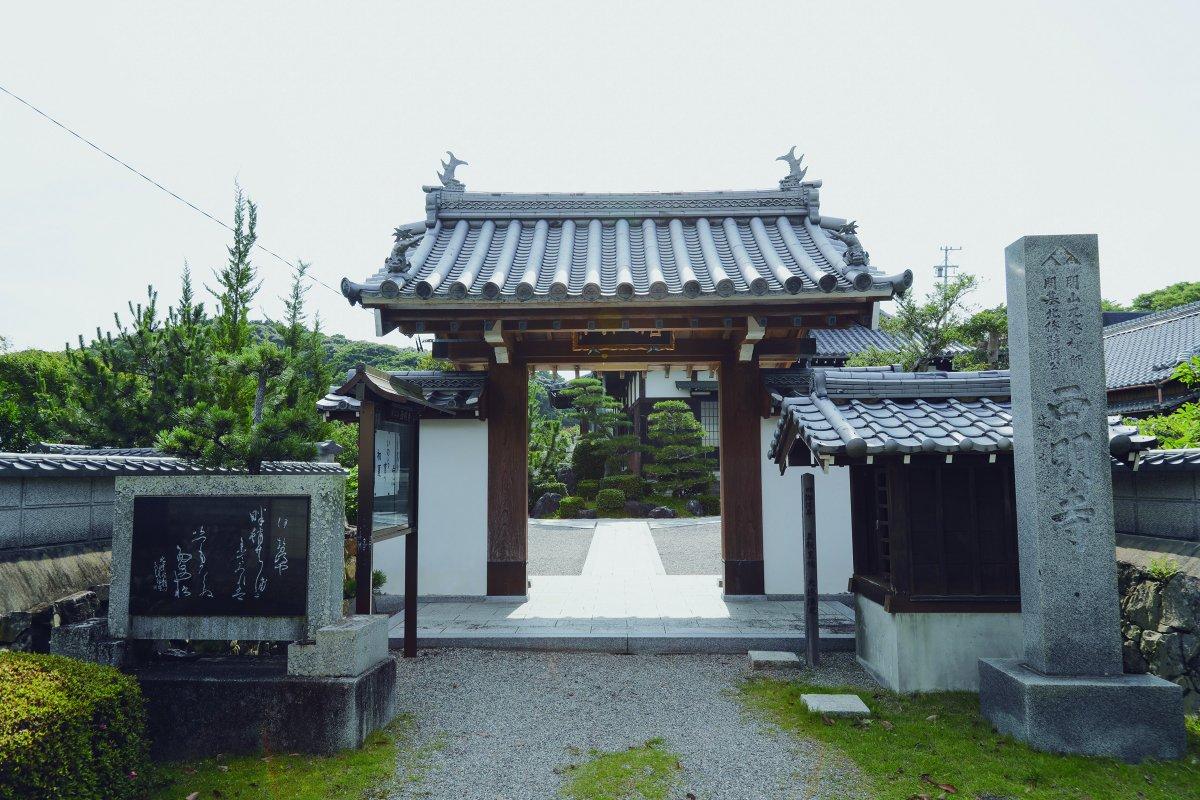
point(1146, 350)
point(102, 463)
point(871, 411)
point(449, 390)
point(496, 247)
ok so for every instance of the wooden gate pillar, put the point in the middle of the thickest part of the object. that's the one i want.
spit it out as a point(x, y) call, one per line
point(740, 400)
point(507, 399)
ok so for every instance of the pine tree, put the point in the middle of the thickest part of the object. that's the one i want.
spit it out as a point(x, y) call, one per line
point(604, 440)
point(679, 467)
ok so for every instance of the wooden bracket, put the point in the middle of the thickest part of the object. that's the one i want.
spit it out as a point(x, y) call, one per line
point(493, 334)
point(755, 330)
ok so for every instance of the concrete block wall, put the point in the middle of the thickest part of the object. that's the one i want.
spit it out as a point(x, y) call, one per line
point(1158, 503)
point(46, 511)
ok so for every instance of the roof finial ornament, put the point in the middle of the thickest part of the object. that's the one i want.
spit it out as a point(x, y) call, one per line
point(796, 172)
point(447, 178)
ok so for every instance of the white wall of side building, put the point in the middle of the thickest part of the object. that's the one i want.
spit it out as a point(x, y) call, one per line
point(659, 385)
point(453, 513)
point(783, 545)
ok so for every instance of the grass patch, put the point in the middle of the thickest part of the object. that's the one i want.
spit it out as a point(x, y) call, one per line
point(646, 772)
point(349, 775)
point(915, 742)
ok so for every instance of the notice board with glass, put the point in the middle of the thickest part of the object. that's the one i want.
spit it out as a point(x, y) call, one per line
point(393, 480)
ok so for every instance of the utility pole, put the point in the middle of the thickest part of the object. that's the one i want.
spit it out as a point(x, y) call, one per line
point(946, 270)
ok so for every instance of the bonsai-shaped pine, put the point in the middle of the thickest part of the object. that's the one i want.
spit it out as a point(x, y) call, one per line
point(604, 441)
point(263, 404)
point(679, 467)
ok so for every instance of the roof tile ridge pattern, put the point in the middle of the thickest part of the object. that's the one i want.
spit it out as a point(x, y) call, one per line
point(1152, 320)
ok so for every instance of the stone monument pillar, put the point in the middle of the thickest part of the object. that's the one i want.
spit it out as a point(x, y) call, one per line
point(1068, 693)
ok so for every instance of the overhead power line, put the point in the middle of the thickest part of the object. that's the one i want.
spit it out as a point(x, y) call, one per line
point(158, 185)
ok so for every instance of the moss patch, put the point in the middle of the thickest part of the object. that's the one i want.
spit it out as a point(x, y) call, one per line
point(928, 745)
point(349, 775)
point(646, 772)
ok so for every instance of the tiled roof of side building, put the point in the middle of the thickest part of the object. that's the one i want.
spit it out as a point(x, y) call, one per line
point(1181, 460)
point(1147, 349)
point(479, 247)
point(855, 413)
point(24, 465)
point(448, 390)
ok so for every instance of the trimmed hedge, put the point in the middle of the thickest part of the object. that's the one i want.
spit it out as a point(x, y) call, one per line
point(569, 507)
point(551, 487)
point(69, 729)
point(587, 488)
point(711, 503)
point(610, 500)
point(632, 485)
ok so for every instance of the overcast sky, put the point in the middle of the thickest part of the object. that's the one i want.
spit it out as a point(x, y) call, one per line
point(930, 123)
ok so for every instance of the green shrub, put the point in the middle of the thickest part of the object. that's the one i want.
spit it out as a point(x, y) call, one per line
point(587, 488)
point(610, 500)
point(556, 488)
point(711, 504)
point(1162, 568)
point(632, 485)
point(569, 507)
point(69, 729)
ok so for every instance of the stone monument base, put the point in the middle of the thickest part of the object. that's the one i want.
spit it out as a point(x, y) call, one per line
point(236, 705)
point(345, 649)
point(1128, 717)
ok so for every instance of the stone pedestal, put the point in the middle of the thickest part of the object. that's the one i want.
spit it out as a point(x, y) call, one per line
point(1130, 717)
point(1068, 692)
point(346, 649)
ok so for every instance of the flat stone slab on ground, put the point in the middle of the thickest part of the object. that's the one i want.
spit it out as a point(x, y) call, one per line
point(836, 705)
point(773, 659)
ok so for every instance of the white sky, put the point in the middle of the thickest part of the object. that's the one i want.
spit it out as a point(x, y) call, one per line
point(930, 123)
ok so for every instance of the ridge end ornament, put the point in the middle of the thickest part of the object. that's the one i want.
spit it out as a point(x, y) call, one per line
point(796, 170)
point(447, 176)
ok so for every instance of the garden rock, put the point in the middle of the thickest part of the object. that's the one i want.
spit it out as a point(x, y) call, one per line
point(546, 505)
point(1160, 628)
point(13, 624)
point(695, 507)
point(662, 512)
point(566, 475)
point(636, 508)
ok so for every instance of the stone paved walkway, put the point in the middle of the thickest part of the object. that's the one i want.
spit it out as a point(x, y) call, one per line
point(625, 603)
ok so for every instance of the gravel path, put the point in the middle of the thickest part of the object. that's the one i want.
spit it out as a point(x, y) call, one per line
point(690, 549)
point(500, 725)
point(557, 550)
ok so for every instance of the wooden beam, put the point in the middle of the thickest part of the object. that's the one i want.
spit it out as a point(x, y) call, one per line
point(507, 401)
point(366, 507)
point(738, 396)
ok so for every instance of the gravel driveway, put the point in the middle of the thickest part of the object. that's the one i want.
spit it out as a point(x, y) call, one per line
point(557, 549)
point(500, 725)
point(690, 549)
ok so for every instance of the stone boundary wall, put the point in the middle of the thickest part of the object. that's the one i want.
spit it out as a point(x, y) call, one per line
point(43, 511)
point(1160, 627)
point(1159, 503)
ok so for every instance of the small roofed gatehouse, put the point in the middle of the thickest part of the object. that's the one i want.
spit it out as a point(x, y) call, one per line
point(727, 282)
point(933, 512)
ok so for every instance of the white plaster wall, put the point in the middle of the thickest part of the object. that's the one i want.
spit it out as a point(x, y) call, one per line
point(932, 652)
point(783, 544)
point(660, 386)
point(453, 521)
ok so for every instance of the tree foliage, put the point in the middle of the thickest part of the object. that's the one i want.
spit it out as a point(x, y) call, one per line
point(679, 467)
point(1177, 294)
point(1180, 428)
point(604, 440)
point(36, 399)
point(264, 404)
point(924, 329)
